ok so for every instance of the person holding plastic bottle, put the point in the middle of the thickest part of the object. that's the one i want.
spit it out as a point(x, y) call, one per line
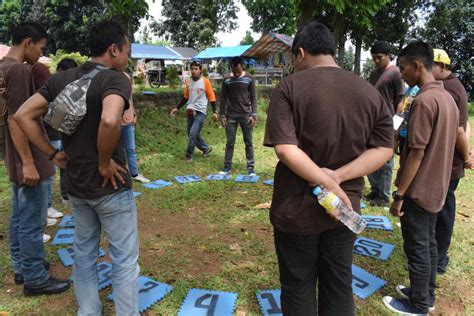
point(311, 123)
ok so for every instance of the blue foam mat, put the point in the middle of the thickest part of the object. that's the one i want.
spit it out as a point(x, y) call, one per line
point(199, 302)
point(66, 255)
point(149, 292)
point(246, 178)
point(269, 302)
point(218, 177)
point(104, 275)
point(157, 184)
point(373, 248)
point(187, 179)
point(364, 284)
point(268, 182)
point(67, 221)
point(378, 222)
point(136, 194)
point(63, 236)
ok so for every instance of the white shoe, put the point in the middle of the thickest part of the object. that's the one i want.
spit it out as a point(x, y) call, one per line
point(141, 178)
point(51, 221)
point(46, 238)
point(54, 213)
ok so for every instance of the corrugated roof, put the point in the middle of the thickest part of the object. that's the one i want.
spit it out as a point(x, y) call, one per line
point(186, 52)
point(222, 52)
point(154, 51)
point(269, 44)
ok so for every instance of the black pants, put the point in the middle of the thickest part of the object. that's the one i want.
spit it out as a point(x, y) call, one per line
point(445, 226)
point(247, 133)
point(419, 243)
point(325, 259)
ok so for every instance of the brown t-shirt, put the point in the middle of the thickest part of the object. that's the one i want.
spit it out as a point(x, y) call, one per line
point(333, 116)
point(389, 83)
point(19, 87)
point(433, 127)
point(457, 91)
point(81, 175)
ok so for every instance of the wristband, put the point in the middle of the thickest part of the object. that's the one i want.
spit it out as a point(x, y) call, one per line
point(51, 157)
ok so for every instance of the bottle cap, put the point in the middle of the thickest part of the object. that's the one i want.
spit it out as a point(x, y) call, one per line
point(317, 191)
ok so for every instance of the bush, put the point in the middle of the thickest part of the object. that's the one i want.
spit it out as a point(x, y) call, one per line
point(172, 76)
point(61, 54)
point(205, 72)
point(251, 70)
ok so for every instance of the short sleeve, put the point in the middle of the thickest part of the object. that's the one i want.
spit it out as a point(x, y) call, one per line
point(21, 87)
point(117, 84)
point(186, 90)
point(209, 91)
point(45, 90)
point(420, 125)
point(382, 132)
point(280, 127)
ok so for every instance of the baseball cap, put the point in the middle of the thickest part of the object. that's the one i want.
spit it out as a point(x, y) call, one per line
point(440, 56)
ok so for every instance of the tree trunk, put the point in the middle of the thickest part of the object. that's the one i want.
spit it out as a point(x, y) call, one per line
point(306, 8)
point(339, 36)
point(358, 50)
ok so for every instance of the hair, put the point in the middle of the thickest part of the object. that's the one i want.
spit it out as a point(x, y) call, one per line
point(65, 64)
point(196, 64)
point(235, 61)
point(420, 51)
point(28, 30)
point(381, 47)
point(315, 38)
point(105, 33)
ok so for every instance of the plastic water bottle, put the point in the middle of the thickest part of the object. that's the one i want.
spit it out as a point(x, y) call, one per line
point(334, 206)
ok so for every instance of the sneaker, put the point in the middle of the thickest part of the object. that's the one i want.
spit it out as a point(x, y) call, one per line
point(404, 292)
point(251, 172)
point(188, 159)
point(226, 170)
point(54, 213)
point(372, 195)
point(401, 306)
point(51, 286)
point(140, 178)
point(46, 238)
point(207, 152)
point(51, 221)
point(379, 202)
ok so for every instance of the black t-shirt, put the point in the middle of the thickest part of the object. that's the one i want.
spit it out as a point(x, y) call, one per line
point(81, 176)
point(333, 116)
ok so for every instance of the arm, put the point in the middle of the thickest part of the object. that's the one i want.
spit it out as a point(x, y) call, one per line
point(462, 144)
point(299, 162)
point(223, 105)
point(175, 110)
point(253, 98)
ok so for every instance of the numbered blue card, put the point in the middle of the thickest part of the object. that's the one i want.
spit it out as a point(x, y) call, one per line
point(364, 284)
point(63, 236)
point(67, 221)
point(149, 292)
point(268, 182)
point(378, 222)
point(269, 301)
point(66, 255)
point(373, 248)
point(136, 194)
point(246, 178)
point(363, 205)
point(218, 177)
point(157, 184)
point(200, 302)
point(104, 275)
point(187, 179)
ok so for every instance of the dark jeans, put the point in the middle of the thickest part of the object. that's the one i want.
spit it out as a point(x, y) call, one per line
point(445, 226)
point(231, 131)
point(381, 181)
point(324, 259)
point(419, 243)
point(195, 124)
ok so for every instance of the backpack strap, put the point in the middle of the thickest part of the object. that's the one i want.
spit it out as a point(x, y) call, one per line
point(97, 69)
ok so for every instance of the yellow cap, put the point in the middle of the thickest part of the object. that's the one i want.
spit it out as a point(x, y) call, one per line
point(440, 56)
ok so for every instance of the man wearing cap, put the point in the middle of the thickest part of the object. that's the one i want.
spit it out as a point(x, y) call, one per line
point(445, 218)
point(387, 80)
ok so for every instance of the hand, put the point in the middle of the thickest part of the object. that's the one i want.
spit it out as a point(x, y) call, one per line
point(469, 163)
point(252, 121)
point(396, 208)
point(30, 175)
point(224, 122)
point(336, 189)
point(174, 112)
point(111, 172)
point(333, 174)
point(215, 118)
point(60, 159)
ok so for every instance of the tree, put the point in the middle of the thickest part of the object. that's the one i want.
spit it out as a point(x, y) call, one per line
point(367, 69)
point(248, 39)
point(145, 35)
point(11, 13)
point(128, 13)
point(272, 15)
point(348, 63)
point(194, 23)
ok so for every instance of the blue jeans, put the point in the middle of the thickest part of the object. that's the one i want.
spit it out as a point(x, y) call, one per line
point(28, 219)
point(128, 141)
point(381, 181)
point(116, 214)
point(195, 124)
point(231, 131)
point(59, 146)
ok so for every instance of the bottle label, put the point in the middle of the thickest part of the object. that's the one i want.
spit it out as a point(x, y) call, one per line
point(330, 202)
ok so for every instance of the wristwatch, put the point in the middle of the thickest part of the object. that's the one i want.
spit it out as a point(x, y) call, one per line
point(397, 197)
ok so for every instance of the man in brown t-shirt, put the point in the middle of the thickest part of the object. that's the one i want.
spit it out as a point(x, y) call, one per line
point(29, 169)
point(423, 177)
point(445, 218)
point(330, 128)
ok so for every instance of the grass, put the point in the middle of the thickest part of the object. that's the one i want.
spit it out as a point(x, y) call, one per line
point(211, 235)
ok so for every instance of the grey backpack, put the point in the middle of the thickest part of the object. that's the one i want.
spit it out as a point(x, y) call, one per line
point(69, 107)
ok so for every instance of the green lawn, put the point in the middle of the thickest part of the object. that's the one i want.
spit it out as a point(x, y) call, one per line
point(210, 234)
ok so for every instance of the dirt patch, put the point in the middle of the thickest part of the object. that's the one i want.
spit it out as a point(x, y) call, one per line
point(453, 297)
